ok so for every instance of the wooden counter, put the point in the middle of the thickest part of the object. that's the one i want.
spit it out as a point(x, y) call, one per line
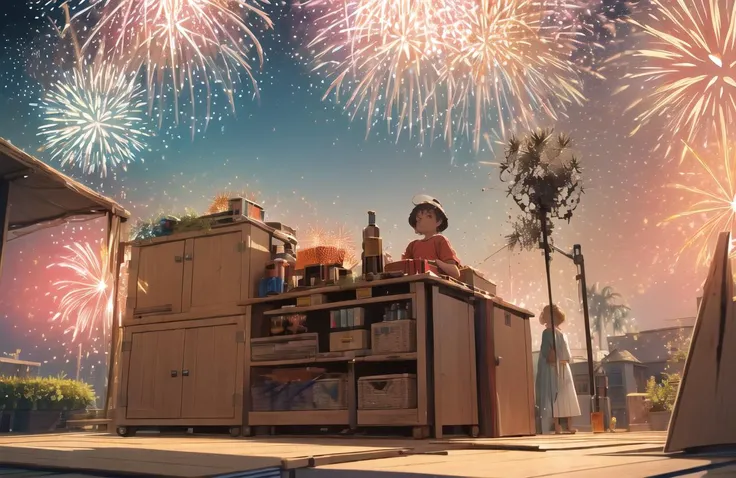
point(444, 361)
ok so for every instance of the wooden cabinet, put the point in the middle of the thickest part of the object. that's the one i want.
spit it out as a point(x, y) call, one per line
point(183, 374)
point(195, 275)
point(455, 387)
point(505, 369)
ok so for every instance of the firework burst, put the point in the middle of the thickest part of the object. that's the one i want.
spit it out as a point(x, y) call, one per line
point(93, 119)
point(181, 42)
point(88, 297)
point(715, 203)
point(502, 63)
point(689, 69)
point(380, 51)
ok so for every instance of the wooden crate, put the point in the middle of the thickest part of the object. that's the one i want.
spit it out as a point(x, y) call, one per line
point(284, 347)
point(357, 339)
point(387, 392)
point(396, 336)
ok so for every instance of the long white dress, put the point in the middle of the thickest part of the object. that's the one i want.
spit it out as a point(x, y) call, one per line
point(555, 388)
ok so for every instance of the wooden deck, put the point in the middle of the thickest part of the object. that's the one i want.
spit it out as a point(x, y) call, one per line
point(575, 456)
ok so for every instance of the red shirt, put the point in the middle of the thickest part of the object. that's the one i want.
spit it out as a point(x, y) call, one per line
point(434, 248)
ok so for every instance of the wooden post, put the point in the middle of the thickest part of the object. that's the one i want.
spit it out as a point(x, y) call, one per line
point(4, 217)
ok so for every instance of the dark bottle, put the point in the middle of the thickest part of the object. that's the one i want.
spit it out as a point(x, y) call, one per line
point(372, 247)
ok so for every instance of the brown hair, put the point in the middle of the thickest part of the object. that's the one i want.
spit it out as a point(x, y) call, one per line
point(424, 207)
point(544, 317)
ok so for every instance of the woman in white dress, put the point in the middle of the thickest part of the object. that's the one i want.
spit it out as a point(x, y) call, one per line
point(556, 396)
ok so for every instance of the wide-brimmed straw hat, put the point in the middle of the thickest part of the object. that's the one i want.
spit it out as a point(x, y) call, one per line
point(422, 200)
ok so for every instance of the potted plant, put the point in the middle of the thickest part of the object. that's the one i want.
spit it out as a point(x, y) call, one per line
point(41, 404)
point(662, 397)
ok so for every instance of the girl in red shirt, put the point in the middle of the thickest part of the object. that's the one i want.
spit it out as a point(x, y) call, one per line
point(428, 219)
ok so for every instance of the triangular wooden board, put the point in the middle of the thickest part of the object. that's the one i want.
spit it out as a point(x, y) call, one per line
point(705, 409)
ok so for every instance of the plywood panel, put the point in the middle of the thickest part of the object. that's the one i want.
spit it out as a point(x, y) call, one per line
point(216, 270)
point(159, 278)
point(512, 379)
point(154, 374)
point(704, 413)
point(454, 357)
point(209, 368)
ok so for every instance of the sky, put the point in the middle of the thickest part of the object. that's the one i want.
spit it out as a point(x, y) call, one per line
point(311, 166)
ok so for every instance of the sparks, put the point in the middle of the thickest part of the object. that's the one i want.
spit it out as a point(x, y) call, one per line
point(689, 70)
point(181, 42)
point(716, 204)
point(88, 297)
point(93, 119)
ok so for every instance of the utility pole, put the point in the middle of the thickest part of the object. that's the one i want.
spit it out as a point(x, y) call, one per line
point(577, 258)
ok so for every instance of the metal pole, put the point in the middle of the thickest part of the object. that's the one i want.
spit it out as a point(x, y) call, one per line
point(547, 260)
point(577, 253)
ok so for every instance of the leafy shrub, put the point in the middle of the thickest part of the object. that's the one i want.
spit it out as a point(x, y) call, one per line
point(662, 395)
point(50, 393)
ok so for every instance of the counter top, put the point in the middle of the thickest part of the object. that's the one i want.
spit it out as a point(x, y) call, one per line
point(358, 284)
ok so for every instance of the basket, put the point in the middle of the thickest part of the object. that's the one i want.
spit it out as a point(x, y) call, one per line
point(330, 392)
point(269, 395)
point(387, 392)
point(395, 336)
point(301, 395)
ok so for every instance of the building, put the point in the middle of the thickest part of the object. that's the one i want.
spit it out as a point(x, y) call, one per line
point(654, 348)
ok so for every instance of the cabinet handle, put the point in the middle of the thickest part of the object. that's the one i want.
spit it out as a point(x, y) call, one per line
point(174, 374)
point(498, 361)
point(178, 259)
point(187, 257)
point(185, 373)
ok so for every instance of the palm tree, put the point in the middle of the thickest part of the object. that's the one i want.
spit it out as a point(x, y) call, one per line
point(605, 307)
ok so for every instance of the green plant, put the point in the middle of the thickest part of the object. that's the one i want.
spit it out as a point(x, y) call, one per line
point(50, 393)
point(662, 395)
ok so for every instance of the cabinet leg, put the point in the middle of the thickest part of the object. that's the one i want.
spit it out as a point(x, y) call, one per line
point(474, 431)
point(247, 432)
point(235, 432)
point(420, 433)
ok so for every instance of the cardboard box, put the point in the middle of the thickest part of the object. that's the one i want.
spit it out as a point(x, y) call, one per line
point(474, 278)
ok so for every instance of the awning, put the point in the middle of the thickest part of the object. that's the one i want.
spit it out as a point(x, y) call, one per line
point(40, 196)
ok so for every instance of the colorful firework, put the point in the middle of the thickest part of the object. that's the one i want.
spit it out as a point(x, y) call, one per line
point(340, 238)
point(88, 297)
point(716, 204)
point(181, 42)
point(381, 52)
point(93, 119)
point(502, 62)
point(689, 70)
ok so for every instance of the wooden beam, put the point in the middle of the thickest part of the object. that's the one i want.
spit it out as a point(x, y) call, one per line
point(4, 217)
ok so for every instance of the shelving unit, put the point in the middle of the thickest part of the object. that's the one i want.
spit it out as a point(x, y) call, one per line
point(445, 354)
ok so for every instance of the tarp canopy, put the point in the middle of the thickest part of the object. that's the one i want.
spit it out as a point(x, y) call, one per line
point(42, 196)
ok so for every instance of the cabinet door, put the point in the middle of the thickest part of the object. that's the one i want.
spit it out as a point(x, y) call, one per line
point(217, 270)
point(160, 276)
point(455, 384)
point(154, 374)
point(514, 394)
point(210, 372)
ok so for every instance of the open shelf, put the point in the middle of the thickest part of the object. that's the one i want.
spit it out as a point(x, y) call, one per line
point(347, 357)
point(300, 417)
point(388, 418)
point(345, 304)
point(395, 357)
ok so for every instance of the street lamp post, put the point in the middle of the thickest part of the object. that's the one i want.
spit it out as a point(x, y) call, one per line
point(577, 258)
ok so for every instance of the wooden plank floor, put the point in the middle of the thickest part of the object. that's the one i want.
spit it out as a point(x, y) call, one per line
point(175, 456)
point(613, 455)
